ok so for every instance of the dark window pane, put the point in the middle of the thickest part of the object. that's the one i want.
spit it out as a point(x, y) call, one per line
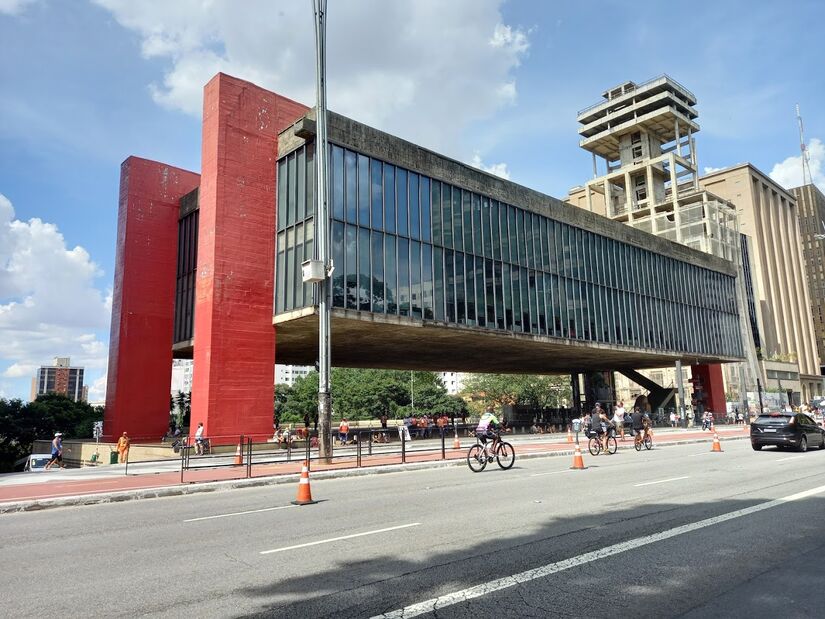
point(282, 185)
point(426, 210)
point(280, 275)
point(508, 296)
point(337, 182)
point(292, 193)
point(438, 283)
point(522, 243)
point(390, 275)
point(500, 317)
point(530, 245)
point(490, 294)
point(301, 185)
point(533, 291)
point(447, 215)
point(351, 186)
point(364, 269)
point(415, 279)
point(403, 276)
point(467, 220)
point(458, 239)
point(338, 261)
point(449, 277)
point(378, 272)
point(389, 198)
point(481, 308)
point(351, 266)
point(545, 246)
point(363, 191)
point(478, 248)
point(415, 216)
point(497, 240)
point(511, 223)
point(525, 300)
point(470, 281)
point(427, 280)
point(401, 201)
point(486, 227)
point(377, 195)
point(460, 295)
point(310, 180)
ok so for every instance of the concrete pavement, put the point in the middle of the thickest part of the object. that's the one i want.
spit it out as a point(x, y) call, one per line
point(377, 544)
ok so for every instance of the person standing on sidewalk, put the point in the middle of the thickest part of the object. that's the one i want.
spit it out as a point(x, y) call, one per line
point(618, 418)
point(57, 452)
point(123, 447)
point(199, 439)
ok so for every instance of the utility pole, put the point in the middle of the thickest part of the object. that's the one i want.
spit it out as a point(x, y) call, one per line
point(319, 8)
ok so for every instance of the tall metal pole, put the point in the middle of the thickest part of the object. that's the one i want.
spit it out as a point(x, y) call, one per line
point(319, 8)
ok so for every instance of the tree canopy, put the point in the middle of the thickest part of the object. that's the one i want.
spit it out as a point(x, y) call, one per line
point(536, 391)
point(23, 423)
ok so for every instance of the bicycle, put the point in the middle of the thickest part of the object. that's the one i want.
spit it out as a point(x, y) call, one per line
point(646, 442)
point(478, 456)
point(595, 443)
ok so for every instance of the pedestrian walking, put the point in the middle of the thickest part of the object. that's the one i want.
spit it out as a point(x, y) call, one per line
point(306, 421)
point(57, 452)
point(123, 447)
point(618, 418)
point(343, 431)
point(199, 439)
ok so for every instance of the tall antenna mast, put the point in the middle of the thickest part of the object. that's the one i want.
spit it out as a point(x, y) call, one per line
point(806, 156)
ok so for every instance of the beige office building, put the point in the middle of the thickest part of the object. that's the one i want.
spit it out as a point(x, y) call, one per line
point(811, 212)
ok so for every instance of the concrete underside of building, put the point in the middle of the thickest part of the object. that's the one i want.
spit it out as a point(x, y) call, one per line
point(365, 340)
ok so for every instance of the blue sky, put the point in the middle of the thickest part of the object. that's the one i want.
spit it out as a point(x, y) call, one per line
point(83, 85)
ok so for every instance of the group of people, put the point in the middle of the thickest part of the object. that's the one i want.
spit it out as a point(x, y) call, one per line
point(599, 422)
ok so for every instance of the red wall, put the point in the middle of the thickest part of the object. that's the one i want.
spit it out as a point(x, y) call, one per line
point(234, 340)
point(714, 386)
point(143, 301)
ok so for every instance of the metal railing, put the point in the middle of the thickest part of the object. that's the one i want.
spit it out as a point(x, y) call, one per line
point(659, 78)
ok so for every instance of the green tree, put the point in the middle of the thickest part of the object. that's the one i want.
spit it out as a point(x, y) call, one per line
point(535, 391)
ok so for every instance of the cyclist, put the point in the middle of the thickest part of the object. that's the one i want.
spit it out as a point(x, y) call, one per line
point(641, 425)
point(486, 428)
point(606, 426)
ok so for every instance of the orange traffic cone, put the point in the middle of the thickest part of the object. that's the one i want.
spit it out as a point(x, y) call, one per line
point(578, 461)
point(304, 494)
point(238, 455)
point(717, 446)
point(569, 436)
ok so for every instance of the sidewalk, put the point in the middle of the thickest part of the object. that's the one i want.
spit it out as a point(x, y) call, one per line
point(30, 491)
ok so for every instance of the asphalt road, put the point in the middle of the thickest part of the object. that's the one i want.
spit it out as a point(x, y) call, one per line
point(677, 531)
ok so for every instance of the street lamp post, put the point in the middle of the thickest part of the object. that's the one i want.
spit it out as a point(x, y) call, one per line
point(319, 8)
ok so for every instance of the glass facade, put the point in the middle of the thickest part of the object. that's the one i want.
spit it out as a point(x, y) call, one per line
point(410, 245)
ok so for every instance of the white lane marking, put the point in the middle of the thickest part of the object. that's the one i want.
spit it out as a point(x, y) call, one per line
point(492, 586)
point(251, 511)
point(550, 473)
point(704, 453)
point(788, 458)
point(661, 481)
point(337, 539)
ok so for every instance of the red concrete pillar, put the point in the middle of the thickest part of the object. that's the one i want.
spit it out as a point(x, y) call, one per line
point(234, 340)
point(713, 385)
point(143, 300)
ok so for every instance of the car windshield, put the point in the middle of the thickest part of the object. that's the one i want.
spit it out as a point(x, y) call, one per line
point(773, 418)
point(39, 462)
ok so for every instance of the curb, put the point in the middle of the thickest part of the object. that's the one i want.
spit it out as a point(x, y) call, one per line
point(121, 496)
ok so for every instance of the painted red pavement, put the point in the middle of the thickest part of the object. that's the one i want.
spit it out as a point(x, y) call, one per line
point(60, 488)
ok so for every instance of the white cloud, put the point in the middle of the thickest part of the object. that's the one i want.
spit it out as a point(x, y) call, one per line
point(97, 390)
point(422, 69)
point(14, 7)
point(710, 169)
point(788, 173)
point(49, 303)
point(499, 169)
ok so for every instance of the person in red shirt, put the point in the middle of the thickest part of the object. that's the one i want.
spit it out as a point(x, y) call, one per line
point(343, 431)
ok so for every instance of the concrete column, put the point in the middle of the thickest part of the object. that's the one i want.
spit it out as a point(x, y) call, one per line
point(680, 384)
point(595, 169)
point(608, 202)
point(678, 149)
point(589, 193)
point(628, 193)
point(695, 163)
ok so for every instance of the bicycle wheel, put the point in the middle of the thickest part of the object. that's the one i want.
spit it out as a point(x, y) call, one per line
point(648, 443)
point(595, 446)
point(476, 459)
point(505, 455)
point(637, 444)
point(612, 446)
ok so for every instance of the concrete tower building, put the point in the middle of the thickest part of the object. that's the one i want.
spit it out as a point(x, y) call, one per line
point(644, 134)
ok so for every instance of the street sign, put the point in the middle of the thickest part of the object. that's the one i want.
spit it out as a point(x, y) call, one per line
point(97, 431)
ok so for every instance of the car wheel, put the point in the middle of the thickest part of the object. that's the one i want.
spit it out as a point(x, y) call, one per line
point(822, 444)
point(756, 447)
point(803, 444)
